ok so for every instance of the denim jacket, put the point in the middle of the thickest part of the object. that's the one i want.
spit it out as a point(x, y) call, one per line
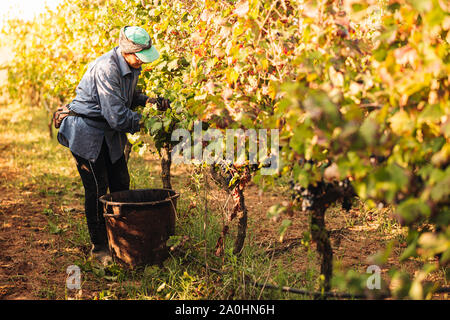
point(107, 90)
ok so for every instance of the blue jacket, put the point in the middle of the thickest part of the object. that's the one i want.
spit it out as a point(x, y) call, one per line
point(107, 90)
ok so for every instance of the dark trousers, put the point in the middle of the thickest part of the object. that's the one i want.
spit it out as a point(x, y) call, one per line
point(97, 177)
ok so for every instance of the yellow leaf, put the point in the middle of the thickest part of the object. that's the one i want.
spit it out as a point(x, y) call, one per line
point(264, 64)
point(311, 77)
point(272, 91)
point(401, 123)
point(232, 76)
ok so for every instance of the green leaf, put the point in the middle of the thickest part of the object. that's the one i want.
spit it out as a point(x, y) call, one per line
point(413, 209)
point(410, 251)
point(380, 53)
point(99, 272)
point(435, 17)
point(356, 7)
point(397, 175)
point(285, 224)
point(53, 228)
point(275, 211)
point(433, 243)
point(368, 131)
point(422, 5)
point(174, 241)
point(431, 114)
point(445, 258)
point(382, 256)
point(166, 124)
point(156, 127)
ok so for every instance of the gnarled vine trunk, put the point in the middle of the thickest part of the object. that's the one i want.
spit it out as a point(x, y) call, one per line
point(242, 224)
point(239, 210)
point(127, 151)
point(166, 163)
point(323, 195)
point(319, 235)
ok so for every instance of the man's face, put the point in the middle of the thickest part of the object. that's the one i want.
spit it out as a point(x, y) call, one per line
point(132, 60)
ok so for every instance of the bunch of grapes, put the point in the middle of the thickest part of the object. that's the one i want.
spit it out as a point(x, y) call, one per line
point(222, 172)
point(305, 196)
point(309, 197)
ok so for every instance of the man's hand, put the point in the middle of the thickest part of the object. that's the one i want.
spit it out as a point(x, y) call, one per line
point(162, 104)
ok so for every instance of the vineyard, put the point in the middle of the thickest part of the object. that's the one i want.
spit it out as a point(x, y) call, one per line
point(357, 93)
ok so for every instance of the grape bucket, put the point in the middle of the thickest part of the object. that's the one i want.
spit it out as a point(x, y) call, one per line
point(138, 224)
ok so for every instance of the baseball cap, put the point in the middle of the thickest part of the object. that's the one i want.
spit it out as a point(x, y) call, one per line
point(139, 36)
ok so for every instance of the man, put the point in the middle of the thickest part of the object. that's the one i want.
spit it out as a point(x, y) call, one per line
point(103, 106)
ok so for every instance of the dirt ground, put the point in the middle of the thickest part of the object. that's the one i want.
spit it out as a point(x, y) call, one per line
point(25, 245)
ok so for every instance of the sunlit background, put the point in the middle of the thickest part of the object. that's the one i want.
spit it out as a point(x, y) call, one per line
point(25, 9)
